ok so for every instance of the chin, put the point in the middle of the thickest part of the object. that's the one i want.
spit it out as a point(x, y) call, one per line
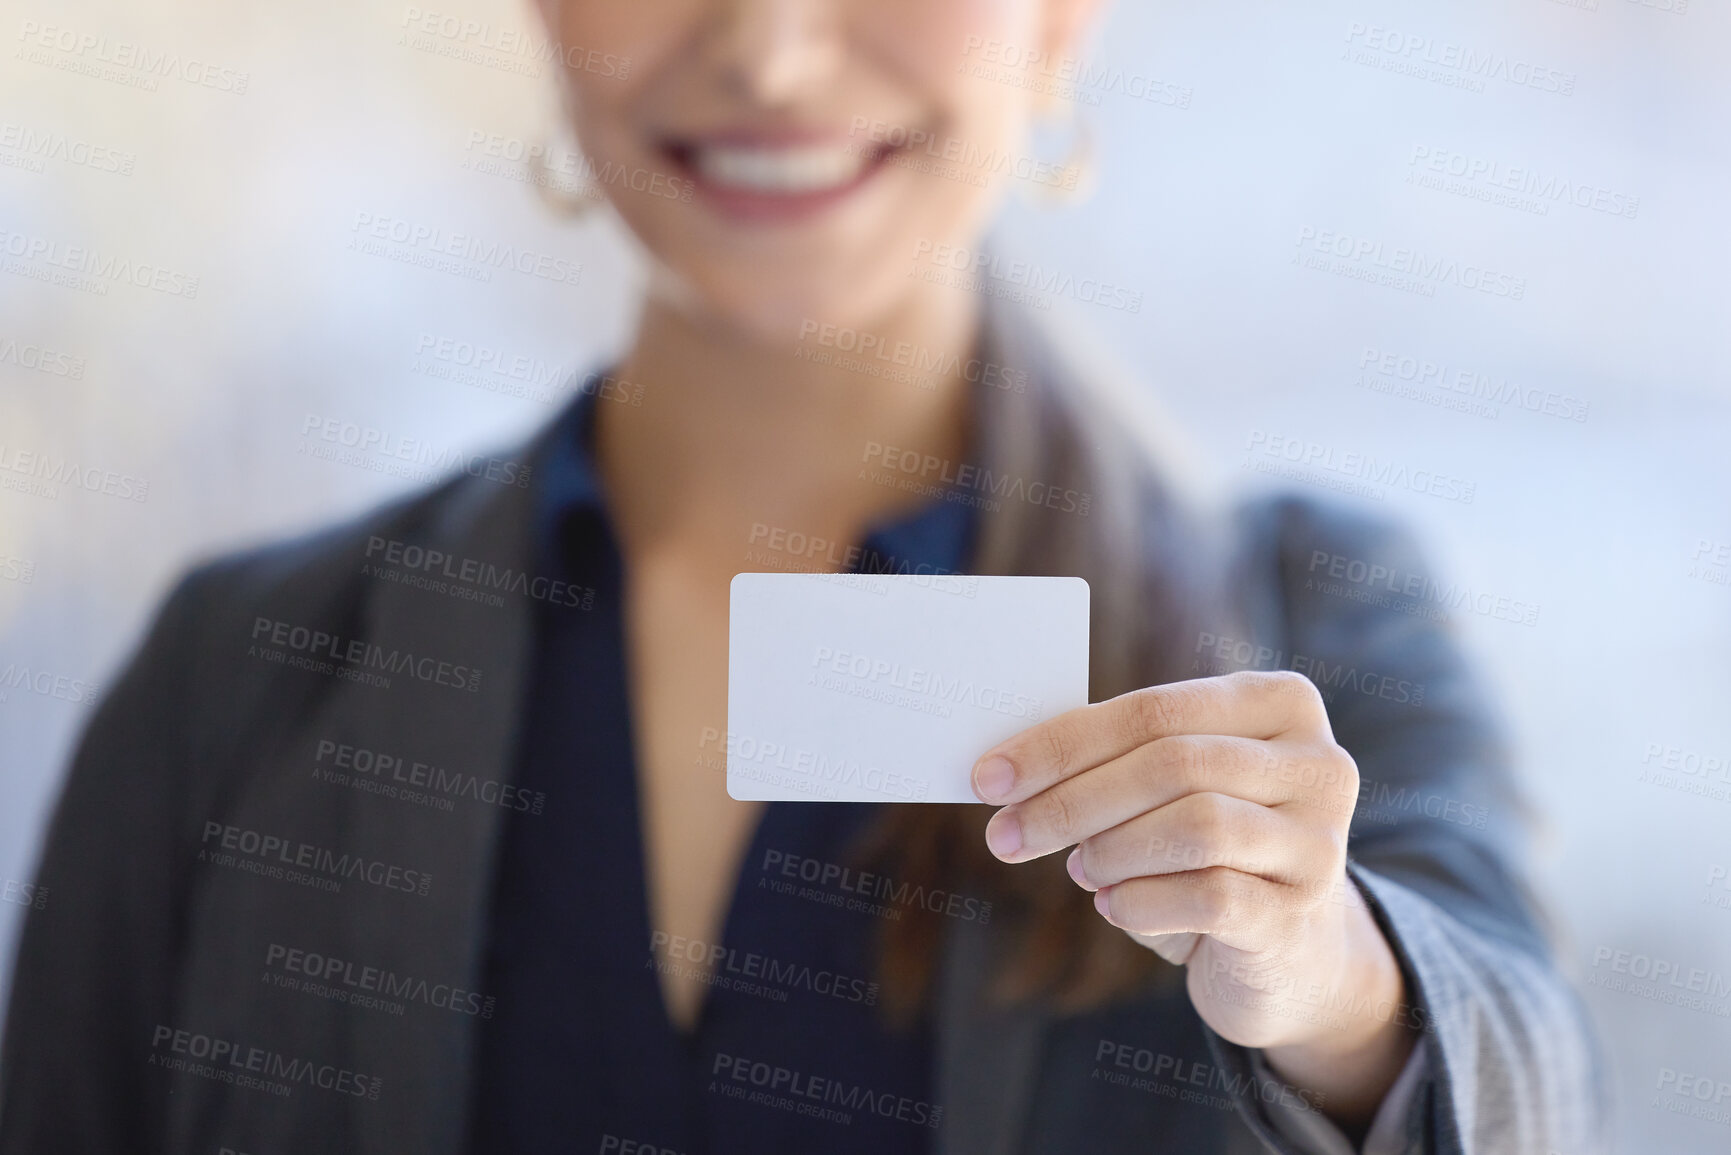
point(760, 307)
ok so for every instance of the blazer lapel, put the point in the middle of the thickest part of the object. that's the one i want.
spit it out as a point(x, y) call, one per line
point(426, 1056)
point(988, 1053)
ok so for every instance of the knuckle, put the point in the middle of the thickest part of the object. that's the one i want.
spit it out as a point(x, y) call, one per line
point(1056, 746)
point(1258, 759)
point(1183, 758)
point(1347, 767)
point(1212, 896)
point(1057, 812)
point(1335, 837)
point(1208, 822)
point(1162, 710)
point(1134, 909)
point(1294, 686)
point(1149, 712)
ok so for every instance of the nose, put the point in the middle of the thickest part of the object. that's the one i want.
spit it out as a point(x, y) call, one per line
point(774, 51)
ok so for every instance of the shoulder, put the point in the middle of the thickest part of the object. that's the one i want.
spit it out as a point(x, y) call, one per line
point(1309, 537)
point(1350, 598)
point(1328, 566)
point(317, 572)
point(201, 652)
point(323, 569)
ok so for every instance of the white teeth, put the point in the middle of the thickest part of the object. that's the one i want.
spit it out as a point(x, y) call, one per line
point(805, 169)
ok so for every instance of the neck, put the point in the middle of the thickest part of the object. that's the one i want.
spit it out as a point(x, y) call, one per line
point(734, 434)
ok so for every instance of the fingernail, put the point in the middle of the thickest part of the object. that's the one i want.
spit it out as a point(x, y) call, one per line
point(1074, 865)
point(1102, 905)
point(1003, 834)
point(995, 778)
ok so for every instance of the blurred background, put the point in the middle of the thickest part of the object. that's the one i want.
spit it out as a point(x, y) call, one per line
point(1486, 239)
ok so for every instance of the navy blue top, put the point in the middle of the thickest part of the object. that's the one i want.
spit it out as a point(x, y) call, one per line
point(790, 1053)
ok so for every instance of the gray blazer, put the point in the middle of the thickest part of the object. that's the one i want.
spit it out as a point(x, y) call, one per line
point(145, 1014)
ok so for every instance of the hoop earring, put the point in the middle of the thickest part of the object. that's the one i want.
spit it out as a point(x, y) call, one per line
point(1076, 178)
point(568, 197)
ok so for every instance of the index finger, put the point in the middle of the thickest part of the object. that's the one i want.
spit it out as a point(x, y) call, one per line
point(1247, 704)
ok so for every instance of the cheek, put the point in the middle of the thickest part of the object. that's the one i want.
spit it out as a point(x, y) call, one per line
point(943, 51)
point(940, 53)
point(613, 53)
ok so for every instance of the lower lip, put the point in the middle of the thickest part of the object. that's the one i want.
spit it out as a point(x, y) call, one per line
point(747, 205)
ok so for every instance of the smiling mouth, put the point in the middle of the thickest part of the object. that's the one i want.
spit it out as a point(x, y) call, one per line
point(776, 179)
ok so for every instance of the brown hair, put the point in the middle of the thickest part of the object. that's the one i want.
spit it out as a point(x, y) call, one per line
point(1156, 573)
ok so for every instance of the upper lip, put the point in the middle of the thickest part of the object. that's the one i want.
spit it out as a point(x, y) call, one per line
point(766, 136)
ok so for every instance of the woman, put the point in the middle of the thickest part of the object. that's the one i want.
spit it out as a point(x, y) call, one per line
point(409, 836)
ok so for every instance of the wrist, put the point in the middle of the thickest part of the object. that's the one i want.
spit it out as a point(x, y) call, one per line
point(1358, 1051)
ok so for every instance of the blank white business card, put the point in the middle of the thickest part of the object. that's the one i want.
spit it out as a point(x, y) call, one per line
point(888, 688)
